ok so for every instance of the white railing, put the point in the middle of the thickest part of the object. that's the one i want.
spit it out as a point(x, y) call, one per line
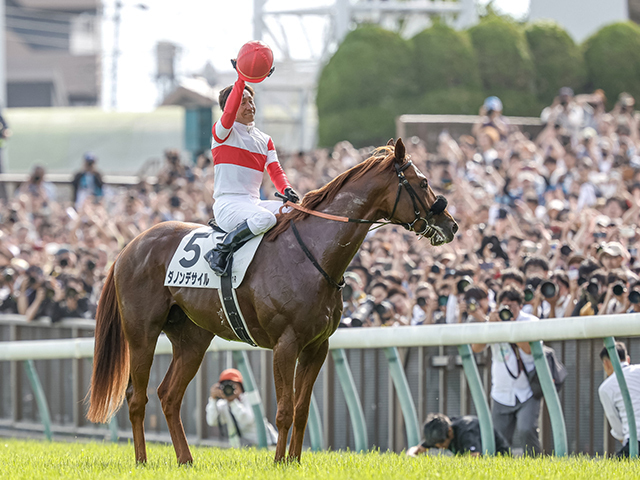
point(572, 328)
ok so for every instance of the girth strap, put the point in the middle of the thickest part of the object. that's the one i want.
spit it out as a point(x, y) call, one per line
point(231, 308)
point(310, 256)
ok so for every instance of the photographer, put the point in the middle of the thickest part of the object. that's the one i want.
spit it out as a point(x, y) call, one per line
point(425, 305)
point(616, 299)
point(374, 310)
point(592, 294)
point(558, 294)
point(36, 294)
point(476, 304)
point(634, 297)
point(458, 282)
point(70, 301)
point(230, 410)
point(611, 397)
point(514, 409)
point(457, 436)
point(352, 295)
point(8, 302)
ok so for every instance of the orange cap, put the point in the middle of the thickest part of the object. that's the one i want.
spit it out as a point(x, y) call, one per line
point(231, 374)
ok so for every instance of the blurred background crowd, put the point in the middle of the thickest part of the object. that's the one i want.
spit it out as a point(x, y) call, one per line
point(556, 216)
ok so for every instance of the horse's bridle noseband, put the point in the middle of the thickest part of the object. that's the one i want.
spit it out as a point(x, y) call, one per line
point(437, 208)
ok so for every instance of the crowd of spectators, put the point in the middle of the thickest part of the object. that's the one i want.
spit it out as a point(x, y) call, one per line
point(556, 215)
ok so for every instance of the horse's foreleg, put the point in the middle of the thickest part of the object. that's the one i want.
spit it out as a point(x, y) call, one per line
point(190, 343)
point(285, 354)
point(309, 365)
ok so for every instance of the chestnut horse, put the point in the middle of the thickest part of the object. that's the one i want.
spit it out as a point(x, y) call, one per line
point(288, 305)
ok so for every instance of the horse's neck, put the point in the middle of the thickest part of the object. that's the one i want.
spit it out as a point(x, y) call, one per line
point(335, 243)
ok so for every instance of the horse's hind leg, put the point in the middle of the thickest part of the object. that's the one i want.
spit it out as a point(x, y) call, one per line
point(190, 343)
point(309, 364)
point(284, 363)
point(141, 357)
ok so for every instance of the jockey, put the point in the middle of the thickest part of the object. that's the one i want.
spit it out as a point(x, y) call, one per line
point(241, 153)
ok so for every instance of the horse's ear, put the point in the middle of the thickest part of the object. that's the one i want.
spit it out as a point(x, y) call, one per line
point(390, 143)
point(400, 151)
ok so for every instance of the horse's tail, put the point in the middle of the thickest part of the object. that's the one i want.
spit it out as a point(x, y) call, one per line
point(110, 359)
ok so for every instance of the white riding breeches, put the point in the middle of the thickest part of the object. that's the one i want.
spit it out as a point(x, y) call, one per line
point(231, 210)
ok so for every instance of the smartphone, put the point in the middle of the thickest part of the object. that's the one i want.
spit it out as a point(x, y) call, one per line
point(486, 266)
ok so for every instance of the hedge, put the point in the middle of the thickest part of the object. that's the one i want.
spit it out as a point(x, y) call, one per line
point(612, 56)
point(444, 58)
point(557, 60)
point(371, 65)
point(503, 55)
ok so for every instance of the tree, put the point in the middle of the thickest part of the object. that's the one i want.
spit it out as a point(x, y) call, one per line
point(444, 58)
point(503, 55)
point(612, 56)
point(369, 73)
point(557, 59)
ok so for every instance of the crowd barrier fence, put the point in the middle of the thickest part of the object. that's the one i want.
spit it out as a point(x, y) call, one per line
point(391, 340)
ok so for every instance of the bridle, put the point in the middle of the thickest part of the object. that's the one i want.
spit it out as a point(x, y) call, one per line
point(439, 205)
point(437, 208)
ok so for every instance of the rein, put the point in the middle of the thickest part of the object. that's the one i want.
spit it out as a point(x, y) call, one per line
point(437, 208)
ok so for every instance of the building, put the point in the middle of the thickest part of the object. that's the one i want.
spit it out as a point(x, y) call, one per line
point(53, 51)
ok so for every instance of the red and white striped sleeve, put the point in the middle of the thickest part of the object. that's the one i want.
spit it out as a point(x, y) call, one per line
point(276, 173)
point(222, 128)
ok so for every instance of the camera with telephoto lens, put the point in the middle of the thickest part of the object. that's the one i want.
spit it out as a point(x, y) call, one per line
point(530, 289)
point(228, 388)
point(593, 288)
point(505, 313)
point(634, 297)
point(442, 300)
point(619, 289)
point(421, 301)
point(548, 289)
point(463, 283)
point(347, 292)
point(472, 304)
point(366, 308)
point(8, 274)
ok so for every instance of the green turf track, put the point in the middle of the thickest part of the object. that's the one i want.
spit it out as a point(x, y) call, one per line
point(35, 460)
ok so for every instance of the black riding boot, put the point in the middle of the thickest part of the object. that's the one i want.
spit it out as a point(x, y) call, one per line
point(218, 257)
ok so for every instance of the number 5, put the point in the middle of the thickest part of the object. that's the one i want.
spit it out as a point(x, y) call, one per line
point(193, 247)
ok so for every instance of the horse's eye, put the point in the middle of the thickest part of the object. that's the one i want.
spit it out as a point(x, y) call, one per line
point(424, 183)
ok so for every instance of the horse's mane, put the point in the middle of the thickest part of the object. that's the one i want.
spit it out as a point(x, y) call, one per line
point(380, 160)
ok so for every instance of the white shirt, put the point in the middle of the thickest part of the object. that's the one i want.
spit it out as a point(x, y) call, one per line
point(221, 410)
point(240, 156)
point(611, 399)
point(504, 388)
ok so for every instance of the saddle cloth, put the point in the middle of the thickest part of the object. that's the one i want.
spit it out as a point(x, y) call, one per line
point(188, 268)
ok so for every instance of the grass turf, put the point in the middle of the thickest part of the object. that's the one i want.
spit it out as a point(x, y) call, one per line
point(34, 460)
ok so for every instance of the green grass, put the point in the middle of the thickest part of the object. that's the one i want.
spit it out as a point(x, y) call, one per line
point(35, 460)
